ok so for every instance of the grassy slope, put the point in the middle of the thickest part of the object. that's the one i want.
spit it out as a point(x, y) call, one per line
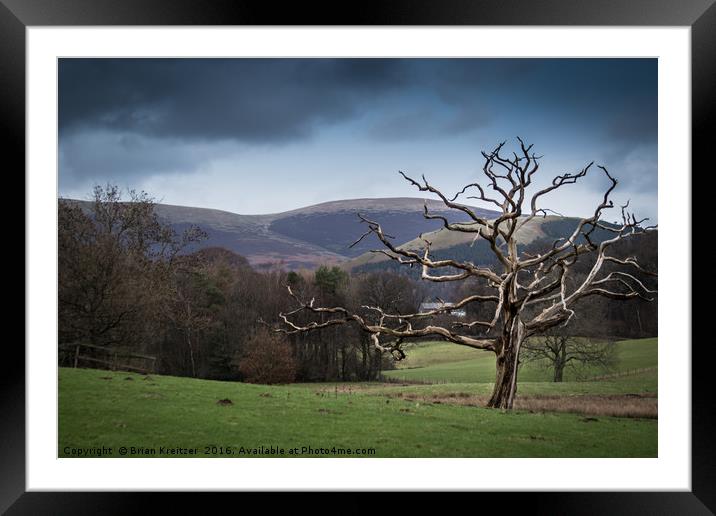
point(94, 411)
point(443, 239)
point(445, 362)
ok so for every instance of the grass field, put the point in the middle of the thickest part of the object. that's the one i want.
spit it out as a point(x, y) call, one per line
point(114, 409)
point(445, 362)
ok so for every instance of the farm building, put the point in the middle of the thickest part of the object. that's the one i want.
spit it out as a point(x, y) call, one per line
point(427, 307)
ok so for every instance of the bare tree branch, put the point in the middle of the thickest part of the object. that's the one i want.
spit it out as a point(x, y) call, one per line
point(525, 282)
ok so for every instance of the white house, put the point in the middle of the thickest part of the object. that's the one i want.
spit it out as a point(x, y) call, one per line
point(427, 307)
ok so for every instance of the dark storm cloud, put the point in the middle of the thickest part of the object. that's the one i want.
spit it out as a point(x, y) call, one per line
point(210, 99)
point(633, 126)
point(129, 120)
point(277, 100)
point(102, 156)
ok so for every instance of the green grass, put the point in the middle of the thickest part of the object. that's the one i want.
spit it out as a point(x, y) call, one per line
point(641, 383)
point(100, 408)
point(450, 363)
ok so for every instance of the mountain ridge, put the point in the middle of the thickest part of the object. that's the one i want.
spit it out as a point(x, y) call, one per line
point(309, 236)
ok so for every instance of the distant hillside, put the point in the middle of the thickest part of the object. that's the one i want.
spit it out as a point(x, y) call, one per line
point(310, 236)
point(335, 226)
point(464, 246)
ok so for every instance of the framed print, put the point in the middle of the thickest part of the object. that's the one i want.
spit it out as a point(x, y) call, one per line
point(413, 249)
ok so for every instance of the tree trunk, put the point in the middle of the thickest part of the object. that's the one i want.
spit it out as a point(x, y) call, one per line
point(191, 354)
point(638, 318)
point(558, 371)
point(561, 361)
point(364, 355)
point(503, 394)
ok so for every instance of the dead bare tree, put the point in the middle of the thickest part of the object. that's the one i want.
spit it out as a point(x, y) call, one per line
point(531, 293)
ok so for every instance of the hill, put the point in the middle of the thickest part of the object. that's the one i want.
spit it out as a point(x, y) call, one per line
point(322, 234)
point(464, 246)
point(309, 236)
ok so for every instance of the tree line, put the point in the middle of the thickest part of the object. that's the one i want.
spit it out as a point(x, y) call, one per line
point(127, 281)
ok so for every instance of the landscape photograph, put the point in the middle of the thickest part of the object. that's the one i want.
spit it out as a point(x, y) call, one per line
point(357, 257)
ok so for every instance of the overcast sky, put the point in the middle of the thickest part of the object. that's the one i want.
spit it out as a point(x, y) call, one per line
point(269, 135)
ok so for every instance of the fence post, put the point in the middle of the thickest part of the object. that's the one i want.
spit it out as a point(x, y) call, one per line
point(77, 354)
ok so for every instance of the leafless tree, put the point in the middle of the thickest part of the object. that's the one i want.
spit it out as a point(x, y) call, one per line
point(558, 350)
point(184, 310)
point(267, 359)
point(530, 293)
point(114, 260)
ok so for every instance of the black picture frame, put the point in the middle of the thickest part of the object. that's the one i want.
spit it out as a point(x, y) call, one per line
point(17, 15)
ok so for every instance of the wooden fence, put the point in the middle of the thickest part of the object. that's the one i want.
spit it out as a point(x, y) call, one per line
point(114, 359)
